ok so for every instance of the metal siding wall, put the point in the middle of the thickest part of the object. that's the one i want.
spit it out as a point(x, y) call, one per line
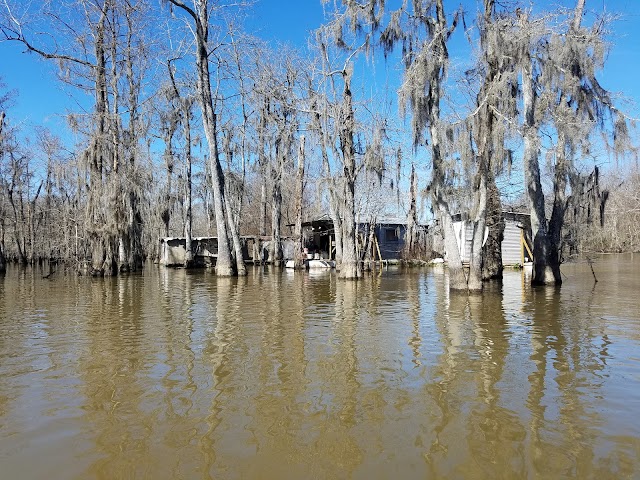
point(511, 248)
point(468, 241)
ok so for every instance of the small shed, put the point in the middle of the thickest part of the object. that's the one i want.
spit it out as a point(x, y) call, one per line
point(255, 249)
point(173, 250)
point(516, 248)
point(390, 235)
point(319, 237)
point(515, 244)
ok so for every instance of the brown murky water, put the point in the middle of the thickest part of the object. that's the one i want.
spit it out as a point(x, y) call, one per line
point(173, 375)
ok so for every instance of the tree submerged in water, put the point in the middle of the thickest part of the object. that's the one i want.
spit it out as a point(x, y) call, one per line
point(563, 100)
point(535, 77)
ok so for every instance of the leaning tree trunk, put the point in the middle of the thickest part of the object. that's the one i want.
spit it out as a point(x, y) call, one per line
point(224, 264)
point(238, 256)
point(236, 241)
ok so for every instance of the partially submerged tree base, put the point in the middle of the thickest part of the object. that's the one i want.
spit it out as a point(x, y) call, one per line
point(548, 277)
point(225, 271)
point(350, 272)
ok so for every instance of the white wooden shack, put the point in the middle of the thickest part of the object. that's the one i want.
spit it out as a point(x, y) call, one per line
point(516, 248)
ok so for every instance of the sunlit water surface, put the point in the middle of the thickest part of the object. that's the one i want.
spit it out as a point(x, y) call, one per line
point(174, 374)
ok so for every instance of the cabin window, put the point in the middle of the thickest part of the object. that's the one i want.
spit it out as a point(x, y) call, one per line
point(390, 235)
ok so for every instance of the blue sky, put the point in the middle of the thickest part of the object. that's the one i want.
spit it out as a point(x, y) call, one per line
point(42, 99)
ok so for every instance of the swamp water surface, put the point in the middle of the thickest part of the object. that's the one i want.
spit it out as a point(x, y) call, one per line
point(173, 374)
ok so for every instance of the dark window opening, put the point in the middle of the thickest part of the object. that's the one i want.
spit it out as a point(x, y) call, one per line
point(390, 235)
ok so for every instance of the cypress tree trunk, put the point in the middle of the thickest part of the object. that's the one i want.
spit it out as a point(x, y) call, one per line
point(350, 267)
point(276, 207)
point(410, 236)
point(224, 264)
point(556, 221)
point(474, 282)
point(543, 271)
point(3, 259)
point(189, 258)
point(299, 258)
point(457, 278)
point(492, 264)
point(95, 220)
point(236, 242)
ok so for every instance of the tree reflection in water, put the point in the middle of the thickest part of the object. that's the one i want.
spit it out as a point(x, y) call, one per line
point(177, 373)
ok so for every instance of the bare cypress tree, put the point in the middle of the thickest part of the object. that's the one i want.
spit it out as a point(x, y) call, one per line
point(182, 114)
point(320, 125)
point(349, 266)
point(277, 98)
point(338, 127)
point(14, 187)
point(560, 89)
point(242, 47)
point(111, 69)
point(412, 215)
point(299, 197)
point(422, 90)
point(337, 130)
point(423, 31)
point(490, 123)
point(201, 15)
point(134, 52)
point(4, 98)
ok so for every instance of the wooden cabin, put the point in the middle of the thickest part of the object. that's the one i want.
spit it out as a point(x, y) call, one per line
point(319, 238)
